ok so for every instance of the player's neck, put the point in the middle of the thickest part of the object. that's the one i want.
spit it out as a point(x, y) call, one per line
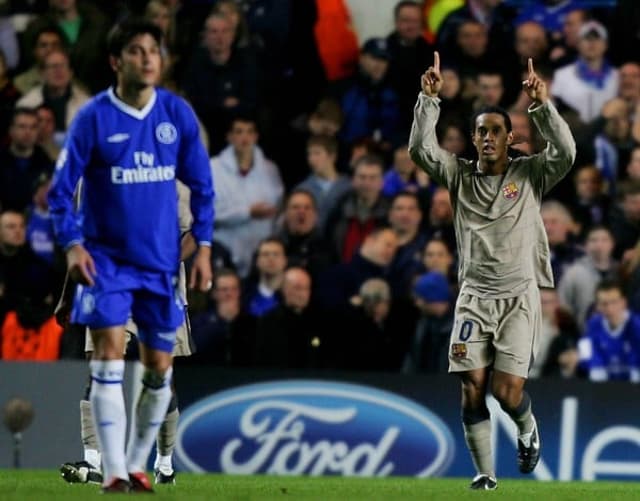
point(495, 168)
point(134, 96)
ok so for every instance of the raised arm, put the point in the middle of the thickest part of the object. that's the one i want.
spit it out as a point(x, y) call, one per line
point(558, 156)
point(423, 143)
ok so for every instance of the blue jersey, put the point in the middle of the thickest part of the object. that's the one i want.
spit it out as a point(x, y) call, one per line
point(129, 160)
point(611, 355)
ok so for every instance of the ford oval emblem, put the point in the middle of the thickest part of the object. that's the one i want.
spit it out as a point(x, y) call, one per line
point(312, 428)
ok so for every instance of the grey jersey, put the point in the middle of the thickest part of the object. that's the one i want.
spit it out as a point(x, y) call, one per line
point(502, 245)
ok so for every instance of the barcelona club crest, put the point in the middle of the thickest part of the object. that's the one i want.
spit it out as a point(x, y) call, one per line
point(510, 191)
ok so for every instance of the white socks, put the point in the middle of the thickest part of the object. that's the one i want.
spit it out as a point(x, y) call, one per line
point(150, 412)
point(109, 415)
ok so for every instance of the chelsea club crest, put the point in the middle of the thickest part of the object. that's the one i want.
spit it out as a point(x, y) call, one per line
point(166, 133)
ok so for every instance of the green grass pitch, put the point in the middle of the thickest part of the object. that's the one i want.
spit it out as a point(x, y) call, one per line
point(45, 484)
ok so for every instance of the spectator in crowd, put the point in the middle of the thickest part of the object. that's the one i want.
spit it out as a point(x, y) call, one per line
point(610, 347)
point(248, 193)
point(369, 104)
point(578, 284)
point(452, 138)
point(39, 224)
point(429, 352)
point(47, 38)
point(405, 217)
point(490, 88)
point(549, 14)
point(291, 336)
point(531, 42)
point(235, 14)
point(28, 283)
point(559, 227)
point(46, 132)
point(591, 206)
point(372, 260)
point(160, 14)
point(470, 54)
point(221, 81)
point(613, 143)
point(85, 31)
point(440, 223)
point(410, 55)
point(9, 43)
point(374, 336)
point(565, 48)
point(404, 176)
point(262, 290)
point(326, 184)
point(586, 85)
point(224, 334)
point(633, 167)
point(557, 344)
point(22, 162)
point(624, 219)
point(360, 211)
point(304, 245)
point(438, 256)
point(8, 97)
point(630, 85)
point(523, 140)
point(58, 91)
point(496, 19)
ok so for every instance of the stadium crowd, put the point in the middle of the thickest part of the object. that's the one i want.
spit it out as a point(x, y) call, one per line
point(331, 250)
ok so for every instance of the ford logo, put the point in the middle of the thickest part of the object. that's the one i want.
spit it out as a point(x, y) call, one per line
point(312, 428)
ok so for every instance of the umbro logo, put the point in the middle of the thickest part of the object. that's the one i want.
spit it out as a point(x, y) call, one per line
point(118, 137)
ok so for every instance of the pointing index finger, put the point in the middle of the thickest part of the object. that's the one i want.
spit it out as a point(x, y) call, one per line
point(530, 65)
point(436, 61)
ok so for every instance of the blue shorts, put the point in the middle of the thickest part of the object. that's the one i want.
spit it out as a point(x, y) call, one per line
point(151, 297)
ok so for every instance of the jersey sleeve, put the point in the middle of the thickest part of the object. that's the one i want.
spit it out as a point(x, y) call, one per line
point(193, 170)
point(555, 161)
point(70, 166)
point(424, 149)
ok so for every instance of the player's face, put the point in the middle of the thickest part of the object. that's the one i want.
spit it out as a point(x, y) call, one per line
point(491, 138)
point(140, 62)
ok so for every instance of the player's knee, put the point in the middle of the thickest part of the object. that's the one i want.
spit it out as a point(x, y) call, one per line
point(507, 395)
point(156, 379)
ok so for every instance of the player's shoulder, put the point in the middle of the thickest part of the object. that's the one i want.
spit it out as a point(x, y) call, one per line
point(172, 100)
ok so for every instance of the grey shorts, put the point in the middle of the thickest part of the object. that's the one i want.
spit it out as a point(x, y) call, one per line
point(502, 333)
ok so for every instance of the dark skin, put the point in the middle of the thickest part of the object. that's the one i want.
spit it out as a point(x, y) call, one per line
point(491, 140)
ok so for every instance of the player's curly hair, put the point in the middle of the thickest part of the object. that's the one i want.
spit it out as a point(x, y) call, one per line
point(490, 109)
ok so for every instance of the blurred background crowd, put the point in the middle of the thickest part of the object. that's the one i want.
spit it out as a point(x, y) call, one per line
point(330, 249)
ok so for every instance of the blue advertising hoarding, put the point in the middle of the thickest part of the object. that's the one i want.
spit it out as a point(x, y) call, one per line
point(379, 425)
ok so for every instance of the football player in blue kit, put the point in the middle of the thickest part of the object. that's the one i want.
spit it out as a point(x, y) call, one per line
point(129, 144)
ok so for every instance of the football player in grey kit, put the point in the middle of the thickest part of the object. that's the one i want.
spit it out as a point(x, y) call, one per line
point(503, 255)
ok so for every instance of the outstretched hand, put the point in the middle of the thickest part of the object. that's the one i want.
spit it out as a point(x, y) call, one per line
point(431, 80)
point(534, 86)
